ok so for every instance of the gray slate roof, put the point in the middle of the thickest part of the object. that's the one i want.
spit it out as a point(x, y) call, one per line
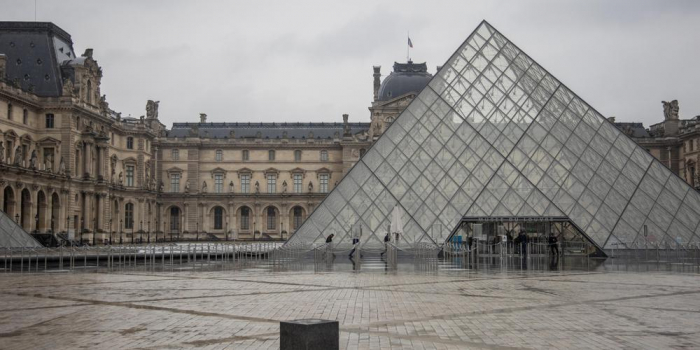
point(266, 130)
point(406, 77)
point(35, 51)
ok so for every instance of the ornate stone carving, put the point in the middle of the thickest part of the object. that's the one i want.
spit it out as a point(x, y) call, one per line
point(202, 117)
point(2, 153)
point(311, 186)
point(152, 109)
point(284, 186)
point(257, 187)
point(346, 126)
point(230, 187)
point(204, 187)
point(670, 110)
point(68, 88)
point(33, 160)
point(62, 167)
point(187, 186)
point(48, 162)
point(18, 156)
point(161, 186)
point(121, 178)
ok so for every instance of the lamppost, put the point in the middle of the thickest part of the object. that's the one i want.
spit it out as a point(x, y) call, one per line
point(253, 230)
point(17, 218)
point(53, 225)
point(110, 231)
point(121, 230)
point(149, 232)
point(36, 223)
point(226, 230)
point(82, 228)
point(197, 230)
point(94, 230)
point(131, 222)
point(141, 231)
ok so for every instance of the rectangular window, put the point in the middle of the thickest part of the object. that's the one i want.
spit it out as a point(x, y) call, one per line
point(297, 183)
point(175, 154)
point(245, 218)
point(271, 155)
point(324, 156)
point(219, 155)
point(130, 175)
point(25, 116)
point(245, 183)
point(323, 179)
point(271, 218)
point(174, 182)
point(130, 143)
point(218, 183)
point(245, 155)
point(297, 156)
point(271, 183)
point(218, 218)
point(49, 121)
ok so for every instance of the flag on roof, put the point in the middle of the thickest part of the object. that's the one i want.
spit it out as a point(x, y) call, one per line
point(410, 44)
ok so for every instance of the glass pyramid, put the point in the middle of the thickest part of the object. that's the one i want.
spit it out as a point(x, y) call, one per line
point(495, 135)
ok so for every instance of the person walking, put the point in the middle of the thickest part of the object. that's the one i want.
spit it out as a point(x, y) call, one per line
point(387, 238)
point(356, 241)
point(329, 239)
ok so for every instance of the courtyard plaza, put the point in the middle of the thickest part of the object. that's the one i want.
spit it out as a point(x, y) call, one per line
point(574, 303)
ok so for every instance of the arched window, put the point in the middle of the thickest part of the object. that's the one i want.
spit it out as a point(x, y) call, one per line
point(130, 142)
point(271, 218)
point(324, 156)
point(219, 155)
point(298, 211)
point(297, 156)
point(129, 215)
point(271, 155)
point(218, 218)
point(174, 219)
point(245, 218)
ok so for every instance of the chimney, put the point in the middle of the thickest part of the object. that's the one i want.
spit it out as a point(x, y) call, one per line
point(88, 53)
point(377, 81)
point(202, 118)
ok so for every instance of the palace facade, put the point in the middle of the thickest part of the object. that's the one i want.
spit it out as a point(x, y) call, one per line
point(73, 168)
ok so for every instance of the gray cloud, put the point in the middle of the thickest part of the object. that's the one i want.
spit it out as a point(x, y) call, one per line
point(311, 60)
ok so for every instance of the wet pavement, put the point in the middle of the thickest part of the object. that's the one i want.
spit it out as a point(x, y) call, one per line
point(427, 304)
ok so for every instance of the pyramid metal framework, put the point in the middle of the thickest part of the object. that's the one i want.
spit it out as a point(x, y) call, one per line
point(495, 135)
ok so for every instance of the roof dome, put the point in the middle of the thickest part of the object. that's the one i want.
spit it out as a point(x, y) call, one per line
point(406, 77)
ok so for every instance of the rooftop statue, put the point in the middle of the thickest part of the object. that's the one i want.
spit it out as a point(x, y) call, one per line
point(670, 110)
point(152, 109)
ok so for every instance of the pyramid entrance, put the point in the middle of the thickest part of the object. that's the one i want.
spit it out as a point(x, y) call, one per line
point(495, 135)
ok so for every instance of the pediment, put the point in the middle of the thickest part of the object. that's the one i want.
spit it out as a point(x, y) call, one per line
point(49, 141)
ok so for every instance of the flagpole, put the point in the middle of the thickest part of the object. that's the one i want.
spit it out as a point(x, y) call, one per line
point(408, 37)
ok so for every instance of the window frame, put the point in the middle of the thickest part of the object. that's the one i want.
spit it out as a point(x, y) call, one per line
point(175, 154)
point(50, 121)
point(219, 155)
point(271, 218)
point(297, 155)
point(271, 155)
point(218, 183)
point(245, 218)
point(129, 216)
point(298, 186)
point(218, 218)
point(175, 183)
point(245, 182)
point(130, 142)
point(323, 180)
point(271, 180)
point(130, 170)
point(324, 155)
point(245, 155)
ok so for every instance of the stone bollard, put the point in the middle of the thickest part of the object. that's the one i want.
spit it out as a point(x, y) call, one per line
point(310, 334)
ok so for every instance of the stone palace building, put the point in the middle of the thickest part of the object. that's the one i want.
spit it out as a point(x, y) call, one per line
point(72, 168)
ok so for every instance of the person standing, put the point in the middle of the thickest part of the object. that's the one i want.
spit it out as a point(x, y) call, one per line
point(329, 239)
point(553, 246)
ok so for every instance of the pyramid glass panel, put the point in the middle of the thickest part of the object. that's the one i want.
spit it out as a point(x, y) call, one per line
point(493, 135)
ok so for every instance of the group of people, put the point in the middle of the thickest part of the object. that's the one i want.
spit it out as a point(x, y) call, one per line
point(356, 242)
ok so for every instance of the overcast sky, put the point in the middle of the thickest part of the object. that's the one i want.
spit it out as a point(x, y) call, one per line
point(312, 60)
